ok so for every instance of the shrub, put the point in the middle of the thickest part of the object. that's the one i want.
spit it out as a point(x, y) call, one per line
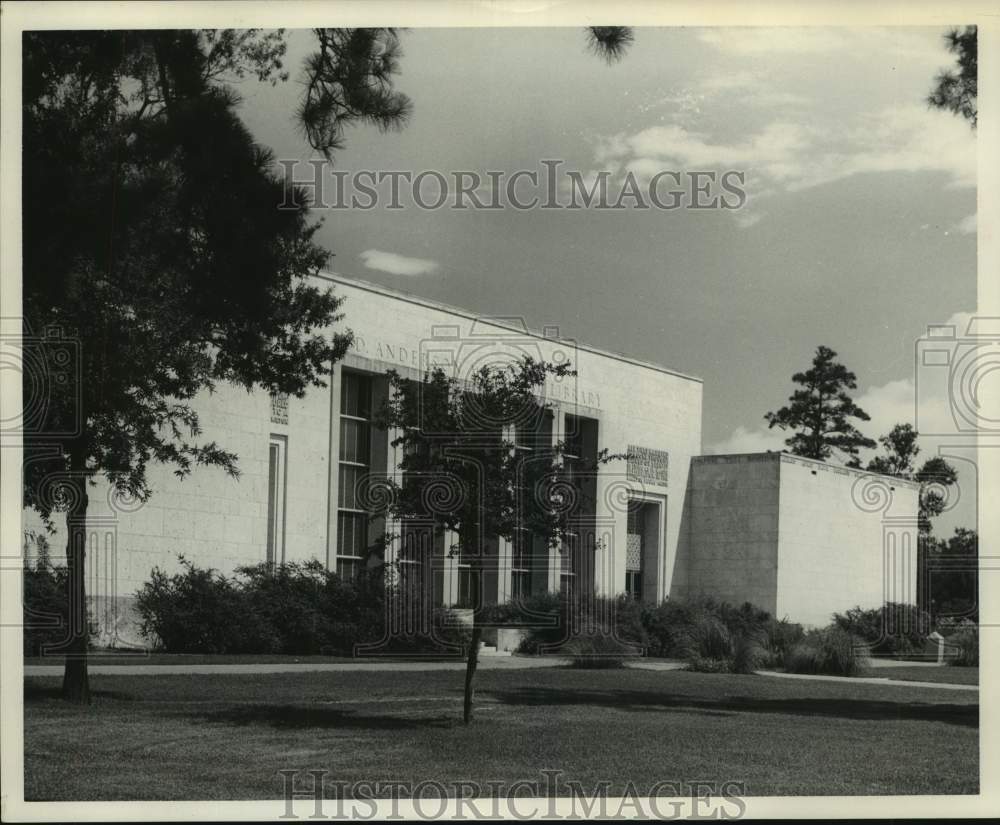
point(750, 652)
point(832, 651)
point(967, 642)
point(289, 600)
point(715, 636)
point(892, 629)
point(554, 622)
point(778, 638)
point(703, 665)
point(707, 638)
point(597, 651)
point(200, 611)
point(298, 608)
point(712, 646)
point(46, 617)
point(667, 625)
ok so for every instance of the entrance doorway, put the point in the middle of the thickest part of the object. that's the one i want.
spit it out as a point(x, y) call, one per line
point(642, 549)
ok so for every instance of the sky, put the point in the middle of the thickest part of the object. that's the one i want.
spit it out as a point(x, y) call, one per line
point(858, 232)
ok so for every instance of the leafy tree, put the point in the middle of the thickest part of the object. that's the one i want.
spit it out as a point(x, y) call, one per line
point(954, 580)
point(821, 410)
point(899, 459)
point(462, 472)
point(957, 91)
point(152, 241)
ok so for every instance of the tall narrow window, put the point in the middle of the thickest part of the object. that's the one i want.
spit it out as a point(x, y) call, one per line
point(569, 559)
point(468, 585)
point(354, 465)
point(415, 547)
point(521, 563)
point(579, 463)
point(532, 440)
point(635, 550)
point(276, 499)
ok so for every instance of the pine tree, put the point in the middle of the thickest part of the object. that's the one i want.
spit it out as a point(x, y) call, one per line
point(899, 459)
point(958, 92)
point(820, 412)
point(155, 256)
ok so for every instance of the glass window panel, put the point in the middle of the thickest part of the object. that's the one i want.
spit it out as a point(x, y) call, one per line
point(520, 584)
point(633, 584)
point(355, 395)
point(468, 587)
point(352, 534)
point(272, 500)
point(349, 568)
point(347, 493)
point(354, 440)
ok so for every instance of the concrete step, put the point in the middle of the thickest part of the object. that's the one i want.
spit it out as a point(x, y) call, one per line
point(491, 650)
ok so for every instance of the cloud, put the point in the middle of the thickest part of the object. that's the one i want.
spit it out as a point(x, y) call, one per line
point(782, 40)
point(759, 107)
point(893, 43)
point(967, 226)
point(744, 440)
point(898, 139)
point(787, 156)
point(794, 157)
point(895, 402)
point(776, 150)
point(747, 87)
point(745, 218)
point(397, 264)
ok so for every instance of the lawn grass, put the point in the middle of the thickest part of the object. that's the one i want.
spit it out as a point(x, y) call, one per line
point(946, 674)
point(225, 737)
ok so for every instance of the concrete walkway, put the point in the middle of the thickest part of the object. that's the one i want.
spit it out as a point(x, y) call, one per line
point(485, 663)
point(866, 680)
point(642, 664)
point(875, 663)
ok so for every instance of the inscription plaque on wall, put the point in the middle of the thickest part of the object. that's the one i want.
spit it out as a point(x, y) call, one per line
point(279, 408)
point(647, 465)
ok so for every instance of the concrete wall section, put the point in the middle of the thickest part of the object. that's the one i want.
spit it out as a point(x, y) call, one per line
point(846, 538)
point(800, 538)
point(221, 522)
point(731, 546)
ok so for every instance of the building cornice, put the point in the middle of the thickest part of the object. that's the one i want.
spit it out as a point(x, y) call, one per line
point(378, 289)
point(789, 458)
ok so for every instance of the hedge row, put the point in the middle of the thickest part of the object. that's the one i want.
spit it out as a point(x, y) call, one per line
point(296, 608)
point(302, 608)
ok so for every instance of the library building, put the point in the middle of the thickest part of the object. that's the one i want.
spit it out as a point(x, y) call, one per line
point(799, 538)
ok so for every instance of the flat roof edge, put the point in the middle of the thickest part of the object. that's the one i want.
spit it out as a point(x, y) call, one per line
point(378, 289)
point(791, 458)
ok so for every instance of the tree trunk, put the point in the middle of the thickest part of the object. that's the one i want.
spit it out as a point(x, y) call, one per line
point(470, 670)
point(76, 682)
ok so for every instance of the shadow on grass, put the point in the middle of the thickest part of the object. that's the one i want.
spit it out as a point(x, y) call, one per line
point(294, 717)
point(655, 701)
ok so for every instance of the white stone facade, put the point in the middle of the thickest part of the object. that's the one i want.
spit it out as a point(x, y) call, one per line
point(799, 538)
point(781, 532)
